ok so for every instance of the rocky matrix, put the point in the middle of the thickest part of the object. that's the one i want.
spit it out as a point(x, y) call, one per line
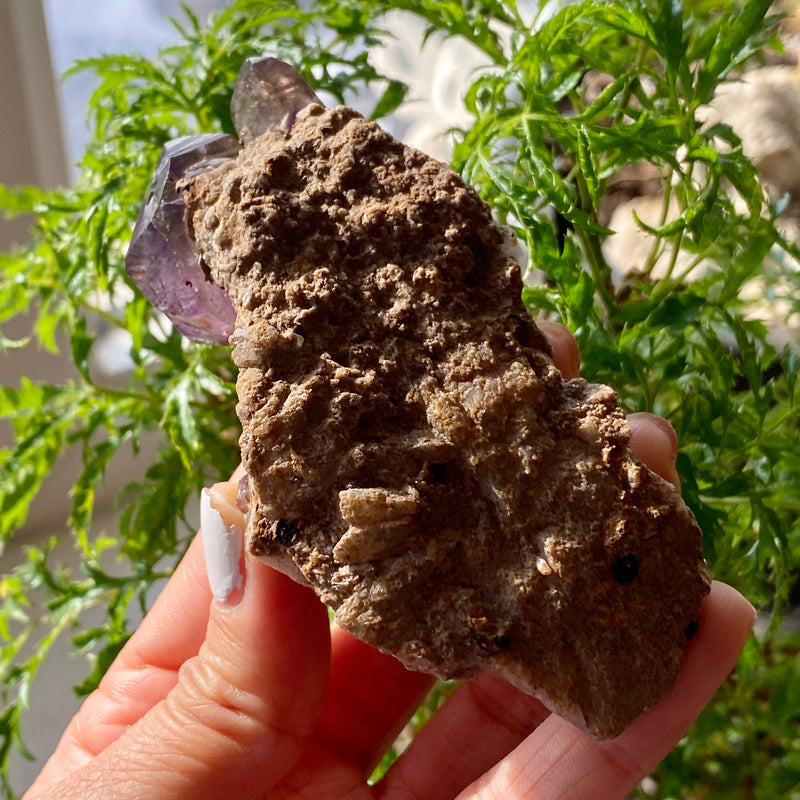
point(413, 453)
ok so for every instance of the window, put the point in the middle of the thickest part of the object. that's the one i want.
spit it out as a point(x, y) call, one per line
point(82, 28)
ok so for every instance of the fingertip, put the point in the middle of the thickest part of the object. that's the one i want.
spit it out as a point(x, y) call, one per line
point(727, 610)
point(661, 429)
point(655, 442)
point(566, 355)
point(726, 619)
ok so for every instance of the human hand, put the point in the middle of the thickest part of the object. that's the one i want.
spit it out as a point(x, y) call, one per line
point(258, 697)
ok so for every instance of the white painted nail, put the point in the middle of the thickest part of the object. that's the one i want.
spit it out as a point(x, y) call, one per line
point(222, 545)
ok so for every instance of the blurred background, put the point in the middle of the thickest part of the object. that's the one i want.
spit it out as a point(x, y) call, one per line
point(42, 135)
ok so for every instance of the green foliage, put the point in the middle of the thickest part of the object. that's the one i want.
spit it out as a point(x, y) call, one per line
point(745, 745)
point(564, 104)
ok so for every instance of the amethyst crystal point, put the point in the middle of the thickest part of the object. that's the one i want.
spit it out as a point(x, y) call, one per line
point(161, 258)
point(268, 95)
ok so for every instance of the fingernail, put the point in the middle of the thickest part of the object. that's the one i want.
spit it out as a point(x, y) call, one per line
point(222, 545)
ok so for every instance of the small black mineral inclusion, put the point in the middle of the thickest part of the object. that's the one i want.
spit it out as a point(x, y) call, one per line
point(625, 569)
point(285, 531)
point(437, 473)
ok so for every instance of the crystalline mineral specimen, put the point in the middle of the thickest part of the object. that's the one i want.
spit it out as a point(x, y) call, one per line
point(161, 258)
point(268, 95)
point(414, 455)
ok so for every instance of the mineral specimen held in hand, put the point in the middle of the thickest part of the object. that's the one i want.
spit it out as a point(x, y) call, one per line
point(413, 453)
point(161, 258)
point(269, 94)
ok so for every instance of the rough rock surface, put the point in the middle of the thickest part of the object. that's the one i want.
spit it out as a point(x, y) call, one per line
point(413, 453)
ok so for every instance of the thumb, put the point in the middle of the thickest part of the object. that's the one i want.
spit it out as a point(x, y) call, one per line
point(239, 715)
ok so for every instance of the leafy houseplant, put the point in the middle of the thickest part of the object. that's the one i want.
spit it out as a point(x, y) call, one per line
point(543, 147)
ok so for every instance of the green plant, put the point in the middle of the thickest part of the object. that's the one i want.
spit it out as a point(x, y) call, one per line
point(677, 338)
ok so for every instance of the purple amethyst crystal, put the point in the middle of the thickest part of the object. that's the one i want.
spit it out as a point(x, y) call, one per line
point(268, 95)
point(161, 258)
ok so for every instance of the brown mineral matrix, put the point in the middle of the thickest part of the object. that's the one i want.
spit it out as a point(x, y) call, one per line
point(413, 453)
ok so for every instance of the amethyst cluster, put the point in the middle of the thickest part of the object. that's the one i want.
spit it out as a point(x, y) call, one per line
point(161, 259)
